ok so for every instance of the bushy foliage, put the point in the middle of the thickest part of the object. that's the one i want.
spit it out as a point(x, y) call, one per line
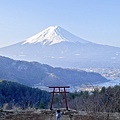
point(18, 95)
point(105, 100)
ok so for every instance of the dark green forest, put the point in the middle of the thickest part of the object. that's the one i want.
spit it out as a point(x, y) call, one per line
point(14, 94)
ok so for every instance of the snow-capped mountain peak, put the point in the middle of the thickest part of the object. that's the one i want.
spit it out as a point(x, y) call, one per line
point(59, 48)
point(53, 35)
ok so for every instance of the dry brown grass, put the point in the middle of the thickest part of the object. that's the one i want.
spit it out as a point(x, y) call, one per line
point(50, 115)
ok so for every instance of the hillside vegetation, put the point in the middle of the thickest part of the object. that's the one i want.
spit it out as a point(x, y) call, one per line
point(31, 73)
point(26, 103)
point(13, 95)
point(104, 100)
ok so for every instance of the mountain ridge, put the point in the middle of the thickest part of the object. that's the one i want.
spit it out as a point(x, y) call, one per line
point(31, 73)
point(63, 52)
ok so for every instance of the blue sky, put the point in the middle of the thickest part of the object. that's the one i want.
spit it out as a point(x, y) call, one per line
point(94, 20)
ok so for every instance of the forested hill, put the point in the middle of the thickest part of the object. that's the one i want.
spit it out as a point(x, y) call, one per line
point(30, 73)
point(16, 95)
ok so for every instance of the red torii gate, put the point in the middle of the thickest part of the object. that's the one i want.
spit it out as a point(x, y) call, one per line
point(59, 91)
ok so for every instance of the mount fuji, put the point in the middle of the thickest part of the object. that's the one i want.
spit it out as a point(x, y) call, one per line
point(59, 48)
point(53, 35)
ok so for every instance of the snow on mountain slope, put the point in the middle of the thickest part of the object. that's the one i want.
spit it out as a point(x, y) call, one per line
point(58, 47)
point(53, 35)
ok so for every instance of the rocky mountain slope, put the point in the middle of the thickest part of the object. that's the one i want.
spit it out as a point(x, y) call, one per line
point(31, 73)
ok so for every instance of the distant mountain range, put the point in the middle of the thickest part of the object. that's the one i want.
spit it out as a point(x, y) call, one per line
point(31, 73)
point(59, 48)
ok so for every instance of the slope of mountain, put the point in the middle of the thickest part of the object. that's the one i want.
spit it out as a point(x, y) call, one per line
point(58, 47)
point(13, 93)
point(53, 35)
point(31, 73)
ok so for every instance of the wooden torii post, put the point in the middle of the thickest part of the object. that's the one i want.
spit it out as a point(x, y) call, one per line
point(58, 88)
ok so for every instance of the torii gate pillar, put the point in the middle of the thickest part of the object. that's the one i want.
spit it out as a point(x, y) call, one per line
point(58, 88)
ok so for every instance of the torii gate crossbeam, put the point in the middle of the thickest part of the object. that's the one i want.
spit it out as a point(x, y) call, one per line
point(59, 91)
